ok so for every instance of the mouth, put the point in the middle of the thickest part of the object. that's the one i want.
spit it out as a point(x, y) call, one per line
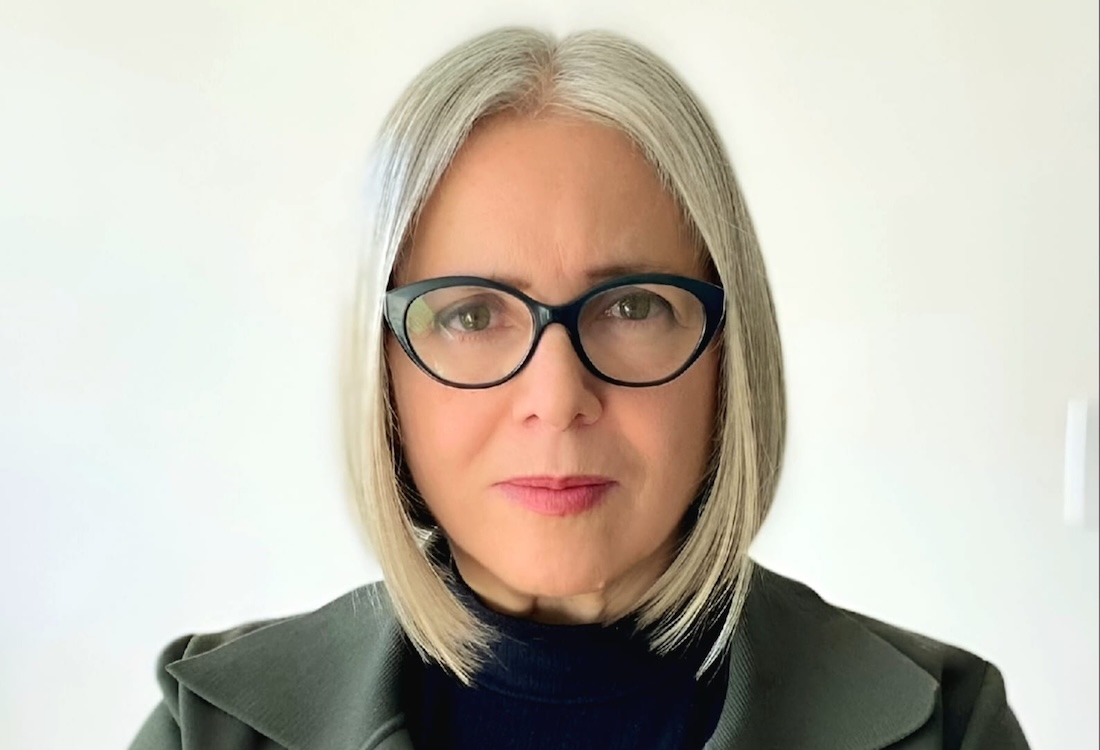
point(557, 496)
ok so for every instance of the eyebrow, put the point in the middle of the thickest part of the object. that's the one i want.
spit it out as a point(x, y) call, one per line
point(593, 275)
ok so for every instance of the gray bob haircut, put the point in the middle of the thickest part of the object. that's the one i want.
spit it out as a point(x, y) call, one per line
point(615, 82)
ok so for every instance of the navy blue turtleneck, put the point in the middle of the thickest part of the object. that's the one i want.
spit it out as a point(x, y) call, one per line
point(565, 687)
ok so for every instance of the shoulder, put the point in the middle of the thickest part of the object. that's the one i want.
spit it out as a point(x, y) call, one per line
point(971, 688)
point(362, 614)
point(934, 657)
point(193, 645)
point(281, 677)
point(946, 663)
point(852, 662)
point(364, 606)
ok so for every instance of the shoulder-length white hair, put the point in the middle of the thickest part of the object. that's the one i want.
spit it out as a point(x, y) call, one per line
point(616, 82)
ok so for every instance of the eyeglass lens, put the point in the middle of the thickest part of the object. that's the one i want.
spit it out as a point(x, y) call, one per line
point(472, 335)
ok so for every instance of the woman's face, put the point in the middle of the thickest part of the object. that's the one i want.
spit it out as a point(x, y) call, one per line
point(554, 205)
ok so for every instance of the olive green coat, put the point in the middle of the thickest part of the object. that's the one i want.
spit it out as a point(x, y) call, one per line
point(804, 675)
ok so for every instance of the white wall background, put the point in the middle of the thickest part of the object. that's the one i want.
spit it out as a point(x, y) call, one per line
point(178, 187)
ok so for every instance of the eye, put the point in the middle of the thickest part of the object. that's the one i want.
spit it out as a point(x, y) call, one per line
point(470, 319)
point(637, 305)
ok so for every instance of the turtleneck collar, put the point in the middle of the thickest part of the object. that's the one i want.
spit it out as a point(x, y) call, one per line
point(576, 663)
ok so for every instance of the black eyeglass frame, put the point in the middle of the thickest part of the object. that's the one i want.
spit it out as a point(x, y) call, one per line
point(712, 297)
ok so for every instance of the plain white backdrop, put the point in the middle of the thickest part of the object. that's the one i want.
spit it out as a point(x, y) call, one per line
point(178, 217)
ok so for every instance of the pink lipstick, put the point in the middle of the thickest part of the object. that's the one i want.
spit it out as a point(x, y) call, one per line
point(557, 496)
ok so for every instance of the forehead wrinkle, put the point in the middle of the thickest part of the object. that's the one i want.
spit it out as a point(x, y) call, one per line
point(560, 268)
point(585, 220)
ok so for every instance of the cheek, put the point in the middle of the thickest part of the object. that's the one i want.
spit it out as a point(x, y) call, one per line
point(684, 432)
point(442, 429)
point(679, 423)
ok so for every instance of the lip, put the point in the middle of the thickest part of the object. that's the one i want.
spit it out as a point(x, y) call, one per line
point(557, 495)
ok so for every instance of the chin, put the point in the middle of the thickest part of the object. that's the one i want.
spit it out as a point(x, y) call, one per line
point(543, 564)
point(555, 575)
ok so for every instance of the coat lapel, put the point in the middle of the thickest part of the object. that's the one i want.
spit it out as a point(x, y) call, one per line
point(803, 674)
point(328, 680)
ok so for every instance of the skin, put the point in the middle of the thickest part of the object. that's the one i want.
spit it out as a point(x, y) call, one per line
point(552, 204)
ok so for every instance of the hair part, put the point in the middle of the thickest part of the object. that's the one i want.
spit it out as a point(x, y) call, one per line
point(616, 82)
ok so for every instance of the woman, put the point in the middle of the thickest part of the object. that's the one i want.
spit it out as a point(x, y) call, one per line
point(566, 421)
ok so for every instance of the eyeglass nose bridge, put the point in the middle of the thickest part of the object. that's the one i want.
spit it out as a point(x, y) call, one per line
point(568, 316)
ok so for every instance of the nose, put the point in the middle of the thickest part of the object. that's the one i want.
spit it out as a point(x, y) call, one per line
point(555, 388)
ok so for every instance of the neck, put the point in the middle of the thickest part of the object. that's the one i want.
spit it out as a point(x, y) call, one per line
point(604, 604)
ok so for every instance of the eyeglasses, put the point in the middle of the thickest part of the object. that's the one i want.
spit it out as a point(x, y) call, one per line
point(638, 330)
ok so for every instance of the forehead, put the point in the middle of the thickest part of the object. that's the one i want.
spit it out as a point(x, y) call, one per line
point(539, 200)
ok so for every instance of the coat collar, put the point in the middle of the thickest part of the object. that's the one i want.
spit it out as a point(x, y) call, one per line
point(329, 680)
